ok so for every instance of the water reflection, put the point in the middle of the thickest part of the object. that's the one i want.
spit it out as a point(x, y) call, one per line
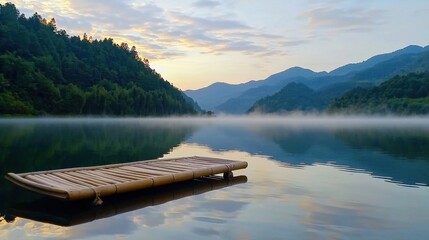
point(68, 214)
point(398, 154)
point(39, 145)
point(35, 145)
point(309, 180)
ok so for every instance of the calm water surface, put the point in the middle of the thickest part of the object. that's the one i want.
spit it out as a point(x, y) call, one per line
point(308, 178)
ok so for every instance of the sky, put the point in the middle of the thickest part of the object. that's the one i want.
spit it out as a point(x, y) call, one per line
point(194, 43)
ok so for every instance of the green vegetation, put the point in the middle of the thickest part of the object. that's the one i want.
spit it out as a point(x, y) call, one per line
point(293, 97)
point(403, 95)
point(45, 71)
point(299, 97)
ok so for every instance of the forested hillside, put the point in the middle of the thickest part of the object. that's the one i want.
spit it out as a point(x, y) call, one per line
point(43, 70)
point(293, 97)
point(300, 97)
point(402, 95)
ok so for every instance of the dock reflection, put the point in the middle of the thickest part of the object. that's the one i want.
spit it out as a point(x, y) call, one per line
point(66, 214)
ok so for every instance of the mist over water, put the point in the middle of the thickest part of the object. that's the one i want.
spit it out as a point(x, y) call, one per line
point(291, 120)
point(312, 176)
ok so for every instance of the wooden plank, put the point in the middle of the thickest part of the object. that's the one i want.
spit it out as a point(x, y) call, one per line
point(36, 187)
point(139, 170)
point(201, 163)
point(86, 178)
point(198, 164)
point(127, 172)
point(40, 180)
point(128, 175)
point(107, 175)
point(178, 166)
point(163, 169)
point(60, 180)
point(177, 169)
point(152, 172)
point(74, 179)
point(129, 169)
point(93, 174)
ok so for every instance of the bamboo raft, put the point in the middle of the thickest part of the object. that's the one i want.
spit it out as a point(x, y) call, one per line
point(95, 182)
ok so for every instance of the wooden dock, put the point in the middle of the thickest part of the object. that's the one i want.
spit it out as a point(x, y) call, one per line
point(95, 182)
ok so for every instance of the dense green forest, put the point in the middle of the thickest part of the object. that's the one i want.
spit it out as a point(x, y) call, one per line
point(300, 97)
point(401, 95)
point(293, 97)
point(43, 70)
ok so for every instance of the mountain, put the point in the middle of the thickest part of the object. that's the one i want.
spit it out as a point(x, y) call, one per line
point(213, 96)
point(300, 97)
point(289, 75)
point(242, 103)
point(325, 94)
point(396, 65)
point(400, 65)
point(237, 99)
point(293, 97)
point(355, 67)
point(194, 104)
point(210, 97)
point(43, 70)
point(404, 95)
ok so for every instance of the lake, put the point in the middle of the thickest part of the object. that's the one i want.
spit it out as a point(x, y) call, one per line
point(308, 178)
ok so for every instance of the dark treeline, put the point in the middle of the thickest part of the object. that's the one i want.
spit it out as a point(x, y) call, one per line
point(401, 95)
point(43, 70)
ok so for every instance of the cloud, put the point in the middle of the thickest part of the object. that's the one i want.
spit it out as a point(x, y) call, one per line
point(205, 232)
point(206, 4)
point(352, 19)
point(160, 32)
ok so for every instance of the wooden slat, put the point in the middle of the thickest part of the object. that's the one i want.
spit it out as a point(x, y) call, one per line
point(128, 172)
point(86, 178)
point(177, 169)
point(156, 168)
point(75, 180)
point(152, 172)
point(139, 170)
point(128, 176)
point(60, 180)
point(133, 170)
point(93, 174)
point(108, 175)
point(200, 163)
point(174, 164)
point(40, 180)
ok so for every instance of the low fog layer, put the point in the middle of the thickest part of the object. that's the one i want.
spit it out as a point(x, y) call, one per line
point(311, 121)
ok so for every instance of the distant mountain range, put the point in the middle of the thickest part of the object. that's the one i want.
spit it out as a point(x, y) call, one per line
point(239, 98)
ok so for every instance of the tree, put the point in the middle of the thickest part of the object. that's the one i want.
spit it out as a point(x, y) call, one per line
point(73, 100)
point(8, 12)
